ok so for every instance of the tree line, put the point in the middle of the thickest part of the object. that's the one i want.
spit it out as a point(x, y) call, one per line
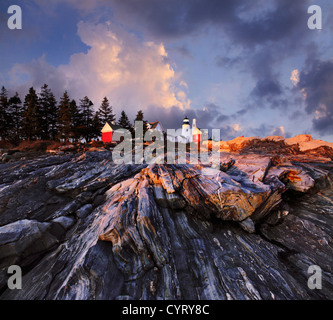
point(41, 117)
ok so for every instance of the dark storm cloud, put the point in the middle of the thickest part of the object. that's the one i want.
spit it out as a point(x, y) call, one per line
point(267, 87)
point(289, 17)
point(174, 18)
point(324, 125)
point(263, 65)
point(316, 81)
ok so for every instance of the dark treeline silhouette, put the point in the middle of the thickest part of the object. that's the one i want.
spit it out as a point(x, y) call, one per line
point(41, 117)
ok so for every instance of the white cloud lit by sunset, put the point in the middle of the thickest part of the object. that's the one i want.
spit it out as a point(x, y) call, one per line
point(118, 65)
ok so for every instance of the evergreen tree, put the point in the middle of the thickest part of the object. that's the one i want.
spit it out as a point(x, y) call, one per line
point(87, 114)
point(4, 116)
point(105, 113)
point(76, 121)
point(124, 122)
point(64, 118)
point(16, 111)
point(96, 126)
point(49, 114)
point(140, 117)
point(32, 119)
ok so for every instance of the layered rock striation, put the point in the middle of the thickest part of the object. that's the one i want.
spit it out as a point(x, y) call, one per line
point(245, 227)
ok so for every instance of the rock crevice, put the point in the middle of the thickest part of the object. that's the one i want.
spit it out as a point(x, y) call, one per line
point(248, 228)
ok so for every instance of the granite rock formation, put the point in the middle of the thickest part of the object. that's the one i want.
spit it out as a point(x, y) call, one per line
point(247, 227)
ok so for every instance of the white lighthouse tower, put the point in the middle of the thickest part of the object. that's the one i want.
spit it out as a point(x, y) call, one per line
point(186, 130)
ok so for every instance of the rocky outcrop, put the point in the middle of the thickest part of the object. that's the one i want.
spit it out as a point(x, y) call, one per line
point(300, 144)
point(247, 227)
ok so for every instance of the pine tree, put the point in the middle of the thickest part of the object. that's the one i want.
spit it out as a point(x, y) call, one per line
point(31, 116)
point(16, 110)
point(4, 125)
point(87, 114)
point(105, 113)
point(124, 122)
point(96, 126)
point(140, 117)
point(49, 114)
point(64, 117)
point(76, 121)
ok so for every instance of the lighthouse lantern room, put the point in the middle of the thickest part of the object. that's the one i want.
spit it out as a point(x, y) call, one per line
point(191, 134)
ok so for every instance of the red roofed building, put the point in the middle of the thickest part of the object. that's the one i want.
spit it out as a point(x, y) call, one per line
point(107, 132)
point(196, 133)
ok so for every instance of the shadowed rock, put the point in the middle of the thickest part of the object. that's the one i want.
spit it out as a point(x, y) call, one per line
point(84, 228)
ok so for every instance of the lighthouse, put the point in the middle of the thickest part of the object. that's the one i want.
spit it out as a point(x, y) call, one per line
point(186, 130)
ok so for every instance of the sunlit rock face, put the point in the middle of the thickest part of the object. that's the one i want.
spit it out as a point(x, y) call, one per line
point(248, 227)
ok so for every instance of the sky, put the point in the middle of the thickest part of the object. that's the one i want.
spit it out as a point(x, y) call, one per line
point(247, 67)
